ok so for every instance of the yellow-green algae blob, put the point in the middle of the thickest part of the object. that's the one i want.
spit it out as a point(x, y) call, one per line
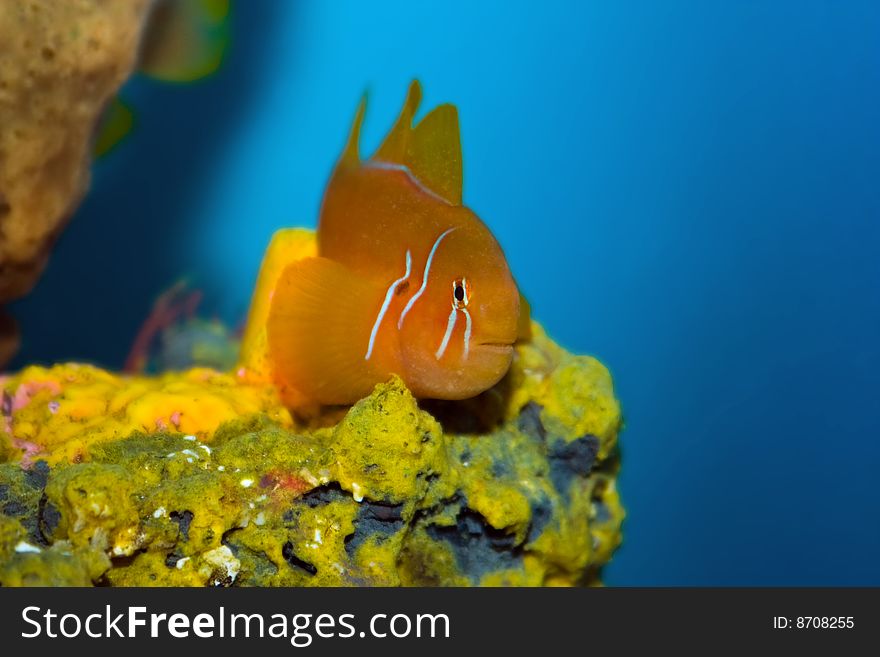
point(514, 487)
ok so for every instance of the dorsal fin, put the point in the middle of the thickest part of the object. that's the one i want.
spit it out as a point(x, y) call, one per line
point(351, 153)
point(394, 148)
point(431, 150)
point(435, 153)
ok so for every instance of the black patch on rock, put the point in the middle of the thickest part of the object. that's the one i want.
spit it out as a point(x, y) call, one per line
point(183, 520)
point(603, 513)
point(379, 519)
point(228, 537)
point(14, 508)
point(23, 504)
point(4, 492)
point(256, 562)
point(429, 478)
point(124, 561)
point(172, 559)
point(291, 558)
point(529, 421)
point(500, 468)
point(50, 517)
point(324, 494)
point(571, 460)
point(38, 475)
point(479, 548)
point(542, 511)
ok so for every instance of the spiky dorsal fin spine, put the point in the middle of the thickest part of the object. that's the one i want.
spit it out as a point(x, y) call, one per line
point(351, 154)
point(394, 148)
point(431, 150)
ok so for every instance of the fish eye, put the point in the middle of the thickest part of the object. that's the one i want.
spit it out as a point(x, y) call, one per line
point(460, 293)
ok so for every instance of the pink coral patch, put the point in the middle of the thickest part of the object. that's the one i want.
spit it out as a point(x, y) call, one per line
point(30, 450)
point(26, 391)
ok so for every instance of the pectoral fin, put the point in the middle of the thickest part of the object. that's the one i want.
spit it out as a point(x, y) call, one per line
point(318, 329)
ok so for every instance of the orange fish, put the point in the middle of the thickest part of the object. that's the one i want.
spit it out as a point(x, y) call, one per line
point(407, 281)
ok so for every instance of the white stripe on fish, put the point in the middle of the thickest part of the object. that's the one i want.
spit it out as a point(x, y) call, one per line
point(427, 273)
point(467, 332)
point(450, 325)
point(392, 166)
point(385, 304)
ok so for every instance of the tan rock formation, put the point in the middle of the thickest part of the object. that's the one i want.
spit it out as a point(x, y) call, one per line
point(60, 63)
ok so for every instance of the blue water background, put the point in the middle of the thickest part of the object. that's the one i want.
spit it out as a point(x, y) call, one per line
point(690, 191)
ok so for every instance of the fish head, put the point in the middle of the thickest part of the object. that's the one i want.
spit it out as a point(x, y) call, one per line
point(457, 338)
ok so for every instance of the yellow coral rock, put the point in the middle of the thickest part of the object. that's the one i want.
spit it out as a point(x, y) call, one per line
point(59, 412)
point(60, 64)
point(501, 490)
